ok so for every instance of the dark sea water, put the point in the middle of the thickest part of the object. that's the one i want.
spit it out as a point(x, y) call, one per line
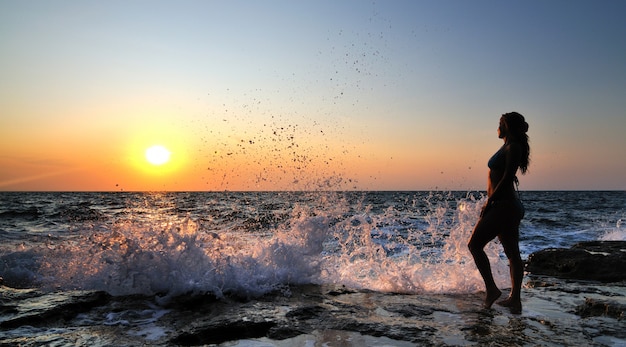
point(247, 244)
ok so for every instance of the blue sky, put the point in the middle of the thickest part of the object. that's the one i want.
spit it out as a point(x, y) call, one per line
point(391, 94)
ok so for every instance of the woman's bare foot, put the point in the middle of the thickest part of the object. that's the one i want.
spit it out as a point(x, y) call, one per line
point(491, 297)
point(515, 306)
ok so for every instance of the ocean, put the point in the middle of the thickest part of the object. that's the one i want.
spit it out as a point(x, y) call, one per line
point(241, 246)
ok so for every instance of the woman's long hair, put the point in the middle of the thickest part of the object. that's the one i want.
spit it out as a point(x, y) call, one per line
point(518, 127)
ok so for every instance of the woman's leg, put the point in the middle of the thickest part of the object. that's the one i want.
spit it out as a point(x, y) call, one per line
point(484, 232)
point(510, 243)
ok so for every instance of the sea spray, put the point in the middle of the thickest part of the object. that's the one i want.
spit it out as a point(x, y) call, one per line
point(381, 253)
point(617, 233)
point(324, 237)
point(164, 255)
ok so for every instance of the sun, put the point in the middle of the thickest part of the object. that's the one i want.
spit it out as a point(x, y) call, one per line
point(157, 155)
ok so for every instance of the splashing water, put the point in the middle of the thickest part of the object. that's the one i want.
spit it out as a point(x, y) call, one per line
point(329, 238)
point(615, 234)
point(430, 257)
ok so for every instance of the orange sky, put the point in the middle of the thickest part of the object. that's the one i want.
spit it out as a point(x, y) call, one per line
point(383, 96)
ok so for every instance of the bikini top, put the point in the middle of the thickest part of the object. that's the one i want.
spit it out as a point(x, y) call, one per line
point(498, 160)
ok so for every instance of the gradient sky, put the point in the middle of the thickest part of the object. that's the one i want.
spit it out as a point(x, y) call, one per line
point(272, 95)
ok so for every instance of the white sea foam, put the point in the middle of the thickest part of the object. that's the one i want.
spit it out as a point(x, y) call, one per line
point(616, 234)
point(434, 260)
point(329, 244)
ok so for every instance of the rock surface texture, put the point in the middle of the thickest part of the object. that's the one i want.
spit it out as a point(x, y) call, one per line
point(603, 261)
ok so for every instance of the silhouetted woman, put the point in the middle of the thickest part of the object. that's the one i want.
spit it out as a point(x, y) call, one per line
point(503, 211)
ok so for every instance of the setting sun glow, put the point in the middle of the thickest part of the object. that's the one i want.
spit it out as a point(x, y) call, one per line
point(384, 96)
point(157, 155)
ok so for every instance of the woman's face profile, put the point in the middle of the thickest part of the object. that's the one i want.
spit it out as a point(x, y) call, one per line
point(502, 128)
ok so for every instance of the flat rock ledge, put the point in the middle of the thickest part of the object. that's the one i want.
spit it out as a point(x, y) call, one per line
point(602, 261)
point(601, 308)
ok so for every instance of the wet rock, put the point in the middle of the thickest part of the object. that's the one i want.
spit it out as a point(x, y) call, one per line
point(188, 301)
point(603, 261)
point(308, 310)
point(416, 334)
point(31, 307)
point(218, 333)
point(407, 310)
point(340, 291)
point(317, 315)
point(596, 307)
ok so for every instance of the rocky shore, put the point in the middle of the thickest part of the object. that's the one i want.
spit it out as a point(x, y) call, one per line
point(603, 261)
point(573, 296)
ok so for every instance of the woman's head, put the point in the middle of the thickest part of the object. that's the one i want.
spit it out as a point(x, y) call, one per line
point(515, 124)
point(516, 128)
